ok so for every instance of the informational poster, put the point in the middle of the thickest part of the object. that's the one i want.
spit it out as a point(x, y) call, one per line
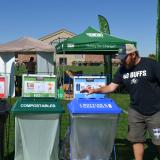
point(3, 87)
point(82, 82)
point(39, 86)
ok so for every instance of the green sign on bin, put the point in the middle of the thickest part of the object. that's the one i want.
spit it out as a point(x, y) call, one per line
point(37, 105)
point(39, 85)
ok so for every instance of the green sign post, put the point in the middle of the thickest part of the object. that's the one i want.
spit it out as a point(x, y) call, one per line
point(104, 28)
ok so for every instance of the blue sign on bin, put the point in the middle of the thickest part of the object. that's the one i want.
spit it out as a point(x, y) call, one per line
point(81, 82)
point(93, 106)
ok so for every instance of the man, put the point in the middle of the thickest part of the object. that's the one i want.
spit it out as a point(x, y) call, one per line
point(31, 66)
point(141, 76)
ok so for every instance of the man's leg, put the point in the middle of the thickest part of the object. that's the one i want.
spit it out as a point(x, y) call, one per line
point(138, 149)
point(136, 132)
point(153, 123)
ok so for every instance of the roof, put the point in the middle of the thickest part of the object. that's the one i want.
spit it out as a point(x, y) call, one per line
point(57, 33)
point(26, 44)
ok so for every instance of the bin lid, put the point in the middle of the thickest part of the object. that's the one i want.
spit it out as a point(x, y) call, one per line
point(96, 106)
point(37, 105)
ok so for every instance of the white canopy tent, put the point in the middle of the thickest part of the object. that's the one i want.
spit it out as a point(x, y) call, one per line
point(44, 53)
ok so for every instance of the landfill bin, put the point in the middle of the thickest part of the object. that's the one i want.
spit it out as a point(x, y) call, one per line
point(37, 128)
point(93, 128)
point(4, 111)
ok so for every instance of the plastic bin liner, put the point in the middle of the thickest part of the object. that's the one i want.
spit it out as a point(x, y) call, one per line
point(37, 137)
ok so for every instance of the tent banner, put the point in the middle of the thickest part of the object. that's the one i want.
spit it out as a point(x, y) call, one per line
point(88, 46)
point(104, 26)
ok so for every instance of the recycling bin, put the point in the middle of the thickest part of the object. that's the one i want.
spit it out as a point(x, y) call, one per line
point(37, 128)
point(4, 111)
point(93, 128)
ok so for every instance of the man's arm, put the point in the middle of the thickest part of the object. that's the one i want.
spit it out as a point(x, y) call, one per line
point(106, 89)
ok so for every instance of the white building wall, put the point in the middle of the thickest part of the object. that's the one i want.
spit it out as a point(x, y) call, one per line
point(7, 69)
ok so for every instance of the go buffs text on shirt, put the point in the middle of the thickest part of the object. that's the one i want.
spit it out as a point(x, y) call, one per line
point(135, 74)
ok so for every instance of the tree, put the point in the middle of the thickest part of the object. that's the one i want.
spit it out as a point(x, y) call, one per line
point(152, 56)
point(158, 33)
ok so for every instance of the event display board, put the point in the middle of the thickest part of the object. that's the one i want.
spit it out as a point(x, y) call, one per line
point(39, 85)
point(81, 82)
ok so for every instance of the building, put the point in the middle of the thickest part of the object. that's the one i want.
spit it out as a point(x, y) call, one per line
point(57, 37)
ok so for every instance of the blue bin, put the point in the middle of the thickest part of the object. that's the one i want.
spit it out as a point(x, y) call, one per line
point(93, 128)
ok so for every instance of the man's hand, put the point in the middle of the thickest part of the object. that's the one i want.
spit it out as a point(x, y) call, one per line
point(106, 89)
point(87, 90)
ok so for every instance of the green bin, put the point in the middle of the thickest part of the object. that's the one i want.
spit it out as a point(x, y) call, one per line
point(37, 128)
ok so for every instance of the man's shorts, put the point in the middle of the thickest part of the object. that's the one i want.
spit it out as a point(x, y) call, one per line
point(139, 124)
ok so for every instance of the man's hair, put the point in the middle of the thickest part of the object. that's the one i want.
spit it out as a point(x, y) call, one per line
point(137, 53)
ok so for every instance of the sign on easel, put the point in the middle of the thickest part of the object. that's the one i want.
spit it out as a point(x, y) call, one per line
point(82, 82)
point(38, 85)
point(3, 87)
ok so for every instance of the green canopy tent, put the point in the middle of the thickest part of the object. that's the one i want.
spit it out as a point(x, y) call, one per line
point(92, 41)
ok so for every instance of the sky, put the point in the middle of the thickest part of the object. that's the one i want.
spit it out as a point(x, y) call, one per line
point(128, 19)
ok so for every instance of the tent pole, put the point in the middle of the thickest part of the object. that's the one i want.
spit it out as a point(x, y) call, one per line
point(63, 66)
point(108, 67)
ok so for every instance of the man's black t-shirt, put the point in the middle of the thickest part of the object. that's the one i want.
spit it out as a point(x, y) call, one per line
point(143, 84)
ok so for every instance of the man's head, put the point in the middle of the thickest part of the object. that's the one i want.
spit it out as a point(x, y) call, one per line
point(128, 55)
point(31, 59)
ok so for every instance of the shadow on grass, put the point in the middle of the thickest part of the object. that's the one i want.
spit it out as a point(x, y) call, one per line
point(151, 152)
point(124, 150)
